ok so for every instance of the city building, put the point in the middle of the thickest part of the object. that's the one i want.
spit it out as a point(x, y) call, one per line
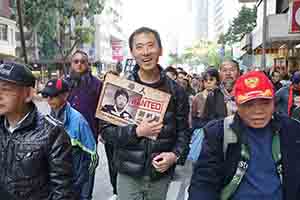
point(282, 42)
point(7, 32)
point(223, 14)
point(109, 37)
point(200, 19)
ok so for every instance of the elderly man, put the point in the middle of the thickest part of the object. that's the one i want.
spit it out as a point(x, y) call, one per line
point(221, 103)
point(251, 155)
point(35, 151)
point(84, 155)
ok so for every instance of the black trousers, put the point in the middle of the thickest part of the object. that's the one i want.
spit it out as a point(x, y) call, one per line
point(109, 149)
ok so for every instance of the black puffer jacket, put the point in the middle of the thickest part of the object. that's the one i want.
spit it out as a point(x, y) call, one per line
point(36, 160)
point(133, 155)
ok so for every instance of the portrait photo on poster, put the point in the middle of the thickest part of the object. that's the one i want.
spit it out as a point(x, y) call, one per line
point(124, 102)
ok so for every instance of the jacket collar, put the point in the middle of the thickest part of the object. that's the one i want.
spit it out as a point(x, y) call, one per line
point(238, 126)
point(28, 122)
point(135, 77)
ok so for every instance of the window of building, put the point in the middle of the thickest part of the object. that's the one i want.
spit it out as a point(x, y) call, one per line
point(3, 32)
point(282, 6)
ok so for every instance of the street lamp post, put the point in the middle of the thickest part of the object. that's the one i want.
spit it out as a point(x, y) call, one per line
point(264, 36)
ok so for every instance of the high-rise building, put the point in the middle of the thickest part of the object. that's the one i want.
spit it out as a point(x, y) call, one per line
point(200, 16)
point(223, 12)
point(219, 17)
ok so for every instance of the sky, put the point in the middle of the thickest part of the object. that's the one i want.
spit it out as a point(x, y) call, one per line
point(171, 18)
point(168, 17)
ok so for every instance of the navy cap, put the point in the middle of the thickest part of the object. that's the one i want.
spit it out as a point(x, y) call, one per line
point(17, 73)
point(296, 78)
point(55, 87)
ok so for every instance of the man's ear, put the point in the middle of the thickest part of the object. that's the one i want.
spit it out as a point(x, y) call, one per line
point(66, 95)
point(29, 94)
point(161, 52)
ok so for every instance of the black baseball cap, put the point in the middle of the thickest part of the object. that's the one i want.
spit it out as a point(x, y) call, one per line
point(55, 87)
point(17, 73)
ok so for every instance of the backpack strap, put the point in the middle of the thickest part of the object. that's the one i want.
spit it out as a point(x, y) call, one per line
point(229, 136)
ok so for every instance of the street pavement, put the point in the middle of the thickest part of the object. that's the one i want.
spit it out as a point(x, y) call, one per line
point(103, 189)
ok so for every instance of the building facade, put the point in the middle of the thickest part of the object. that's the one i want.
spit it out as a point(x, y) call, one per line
point(109, 38)
point(282, 45)
point(7, 31)
point(200, 16)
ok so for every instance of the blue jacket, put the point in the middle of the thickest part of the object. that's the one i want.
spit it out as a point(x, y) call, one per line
point(281, 100)
point(212, 172)
point(83, 143)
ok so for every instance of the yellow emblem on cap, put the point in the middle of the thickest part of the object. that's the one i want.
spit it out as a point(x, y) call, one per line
point(252, 82)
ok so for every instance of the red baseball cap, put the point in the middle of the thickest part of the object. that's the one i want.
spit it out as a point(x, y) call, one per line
point(253, 85)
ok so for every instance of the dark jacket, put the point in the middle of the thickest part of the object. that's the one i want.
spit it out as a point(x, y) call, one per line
point(36, 160)
point(215, 106)
point(212, 172)
point(282, 100)
point(133, 155)
point(84, 97)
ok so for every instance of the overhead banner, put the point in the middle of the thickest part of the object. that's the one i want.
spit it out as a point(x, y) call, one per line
point(295, 17)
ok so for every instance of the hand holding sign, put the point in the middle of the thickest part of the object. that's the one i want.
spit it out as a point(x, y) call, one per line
point(149, 128)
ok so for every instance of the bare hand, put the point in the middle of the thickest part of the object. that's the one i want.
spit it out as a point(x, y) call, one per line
point(164, 161)
point(149, 128)
point(100, 139)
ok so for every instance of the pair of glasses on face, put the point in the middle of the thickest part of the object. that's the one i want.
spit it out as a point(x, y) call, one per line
point(79, 61)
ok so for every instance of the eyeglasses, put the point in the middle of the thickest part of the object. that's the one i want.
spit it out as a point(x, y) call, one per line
point(79, 61)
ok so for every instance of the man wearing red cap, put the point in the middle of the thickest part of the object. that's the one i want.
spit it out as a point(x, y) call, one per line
point(251, 155)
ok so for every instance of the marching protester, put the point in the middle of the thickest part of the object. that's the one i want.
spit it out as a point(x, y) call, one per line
point(145, 166)
point(288, 97)
point(197, 84)
point(84, 95)
point(183, 80)
point(171, 72)
point(221, 103)
point(109, 150)
point(275, 77)
point(251, 155)
point(36, 156)
point(84, 149)
point(211, 81)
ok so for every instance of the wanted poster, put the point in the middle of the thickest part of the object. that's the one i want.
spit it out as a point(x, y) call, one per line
point(124, 102)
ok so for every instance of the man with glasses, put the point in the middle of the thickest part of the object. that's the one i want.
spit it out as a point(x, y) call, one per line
point(35, 151)
point(84, 149)
point(221, 102)
point(84, 95)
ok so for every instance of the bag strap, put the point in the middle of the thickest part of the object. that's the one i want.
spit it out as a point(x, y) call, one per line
point(229, 136)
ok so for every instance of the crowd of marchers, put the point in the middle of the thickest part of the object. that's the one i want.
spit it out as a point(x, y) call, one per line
point(239, 129)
